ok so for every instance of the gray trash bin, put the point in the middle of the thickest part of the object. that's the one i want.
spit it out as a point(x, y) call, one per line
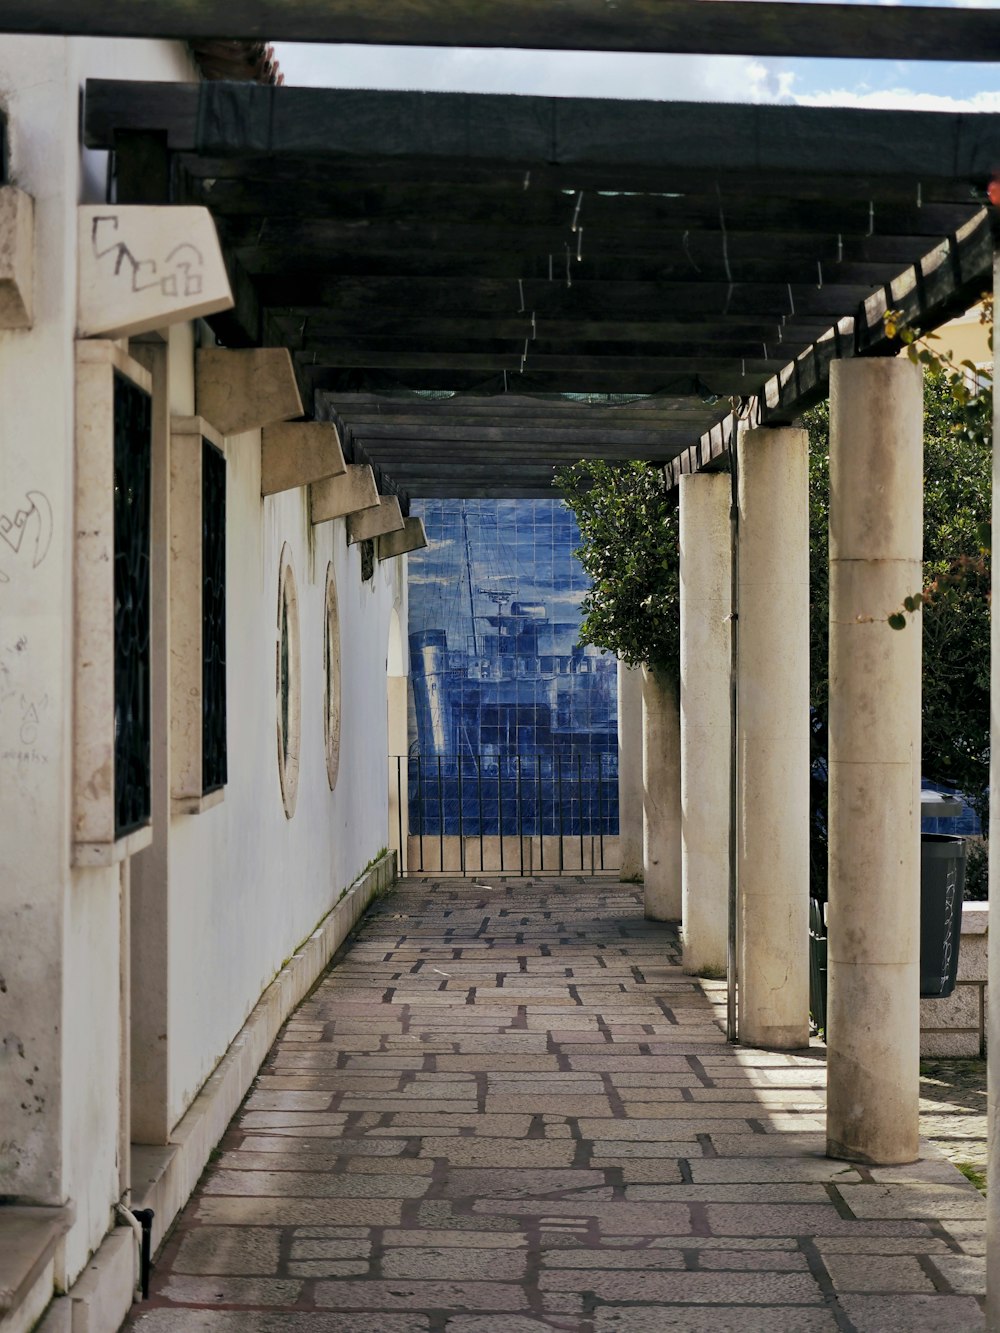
point(942, 888)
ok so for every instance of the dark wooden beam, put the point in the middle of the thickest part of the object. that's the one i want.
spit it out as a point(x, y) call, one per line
point(505, 205)
point(945, 287)
point(395, 458)
point(393, 436)
point(142, 167)
point(490, 298)
point(309, 327)
point(726, 27)
point(436, 490)
point(283, 244)
point(571, 361)
point(227, 119)
point(601, 264)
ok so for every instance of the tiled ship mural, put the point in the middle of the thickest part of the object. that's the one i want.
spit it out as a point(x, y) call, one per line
point(513, 724)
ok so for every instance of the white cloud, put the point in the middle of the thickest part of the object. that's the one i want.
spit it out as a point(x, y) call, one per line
point(436, 580)
point(900, 99)
point(549, 73)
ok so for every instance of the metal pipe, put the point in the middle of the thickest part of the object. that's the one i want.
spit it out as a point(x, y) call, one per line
point(141, 1222)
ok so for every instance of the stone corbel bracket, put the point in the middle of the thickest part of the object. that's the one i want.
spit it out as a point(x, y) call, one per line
point(373, 523)
point(143, 267)
point(411, 537)
point(336, 497)
point(297, 453)
point(240, 389)
point(17, 258)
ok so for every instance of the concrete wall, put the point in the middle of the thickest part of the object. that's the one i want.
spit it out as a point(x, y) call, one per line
point(231, 892)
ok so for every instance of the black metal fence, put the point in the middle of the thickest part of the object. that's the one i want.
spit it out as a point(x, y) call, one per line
point(545, 813)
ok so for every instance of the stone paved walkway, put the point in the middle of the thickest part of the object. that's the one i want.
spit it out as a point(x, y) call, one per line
point(508, 1110)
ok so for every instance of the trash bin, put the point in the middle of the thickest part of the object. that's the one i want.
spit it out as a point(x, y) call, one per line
point(942, 888)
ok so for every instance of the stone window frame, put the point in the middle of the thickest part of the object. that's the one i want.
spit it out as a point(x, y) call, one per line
point(331, 677)
point(188, 436)
point(95, 841)
point(288, 708)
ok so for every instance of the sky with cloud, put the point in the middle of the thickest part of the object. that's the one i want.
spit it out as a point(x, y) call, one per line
point(930, 86)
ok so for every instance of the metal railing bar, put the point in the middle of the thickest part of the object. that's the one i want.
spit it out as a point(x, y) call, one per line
point(579, 801)
point(420, 807)
point(440, 817)
point(461, 818)
point(540, 817)
point(520, 816)
point(479, 790)
point(600, 809)
point(559, 789)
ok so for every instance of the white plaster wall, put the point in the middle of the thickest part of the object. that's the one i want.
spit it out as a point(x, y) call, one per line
point(36, 409)
point(248, 884)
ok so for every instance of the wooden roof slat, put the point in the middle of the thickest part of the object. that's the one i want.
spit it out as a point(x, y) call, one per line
point(336, 240)
point(320, 193)
point(304, 325)
point(734, 27)
point(403, 437)
point(487, 296)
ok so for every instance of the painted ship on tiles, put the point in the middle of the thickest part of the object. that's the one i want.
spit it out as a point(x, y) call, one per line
point(501, 687)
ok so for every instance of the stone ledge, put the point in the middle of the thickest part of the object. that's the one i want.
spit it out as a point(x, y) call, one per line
point(975, 918)
point(28, 1241)
point(164, 1177)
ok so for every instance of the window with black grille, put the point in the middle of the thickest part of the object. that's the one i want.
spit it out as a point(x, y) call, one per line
point(213, 638)
point(367, 560)
point(132, 465)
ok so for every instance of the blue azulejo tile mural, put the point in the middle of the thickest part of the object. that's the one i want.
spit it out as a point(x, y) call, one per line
point(513, 723)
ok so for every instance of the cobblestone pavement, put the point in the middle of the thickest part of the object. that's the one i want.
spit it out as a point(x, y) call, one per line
point(953, 1109)
point(506, 1110)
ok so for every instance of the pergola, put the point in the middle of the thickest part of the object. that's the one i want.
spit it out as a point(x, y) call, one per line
point(478, 288)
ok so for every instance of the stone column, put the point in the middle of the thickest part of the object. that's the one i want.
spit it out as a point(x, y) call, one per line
point(773, 740)
point(629, 772)
point(661, 798)
point(873, 916)
point(706, 669)
point(993, 1014)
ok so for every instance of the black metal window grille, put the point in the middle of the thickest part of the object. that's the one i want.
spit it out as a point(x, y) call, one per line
point(132, 467)
point(367, 560)
point(213, 626)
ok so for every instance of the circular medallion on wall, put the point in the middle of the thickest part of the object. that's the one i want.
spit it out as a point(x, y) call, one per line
point(331, 676)
point(288, 686)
